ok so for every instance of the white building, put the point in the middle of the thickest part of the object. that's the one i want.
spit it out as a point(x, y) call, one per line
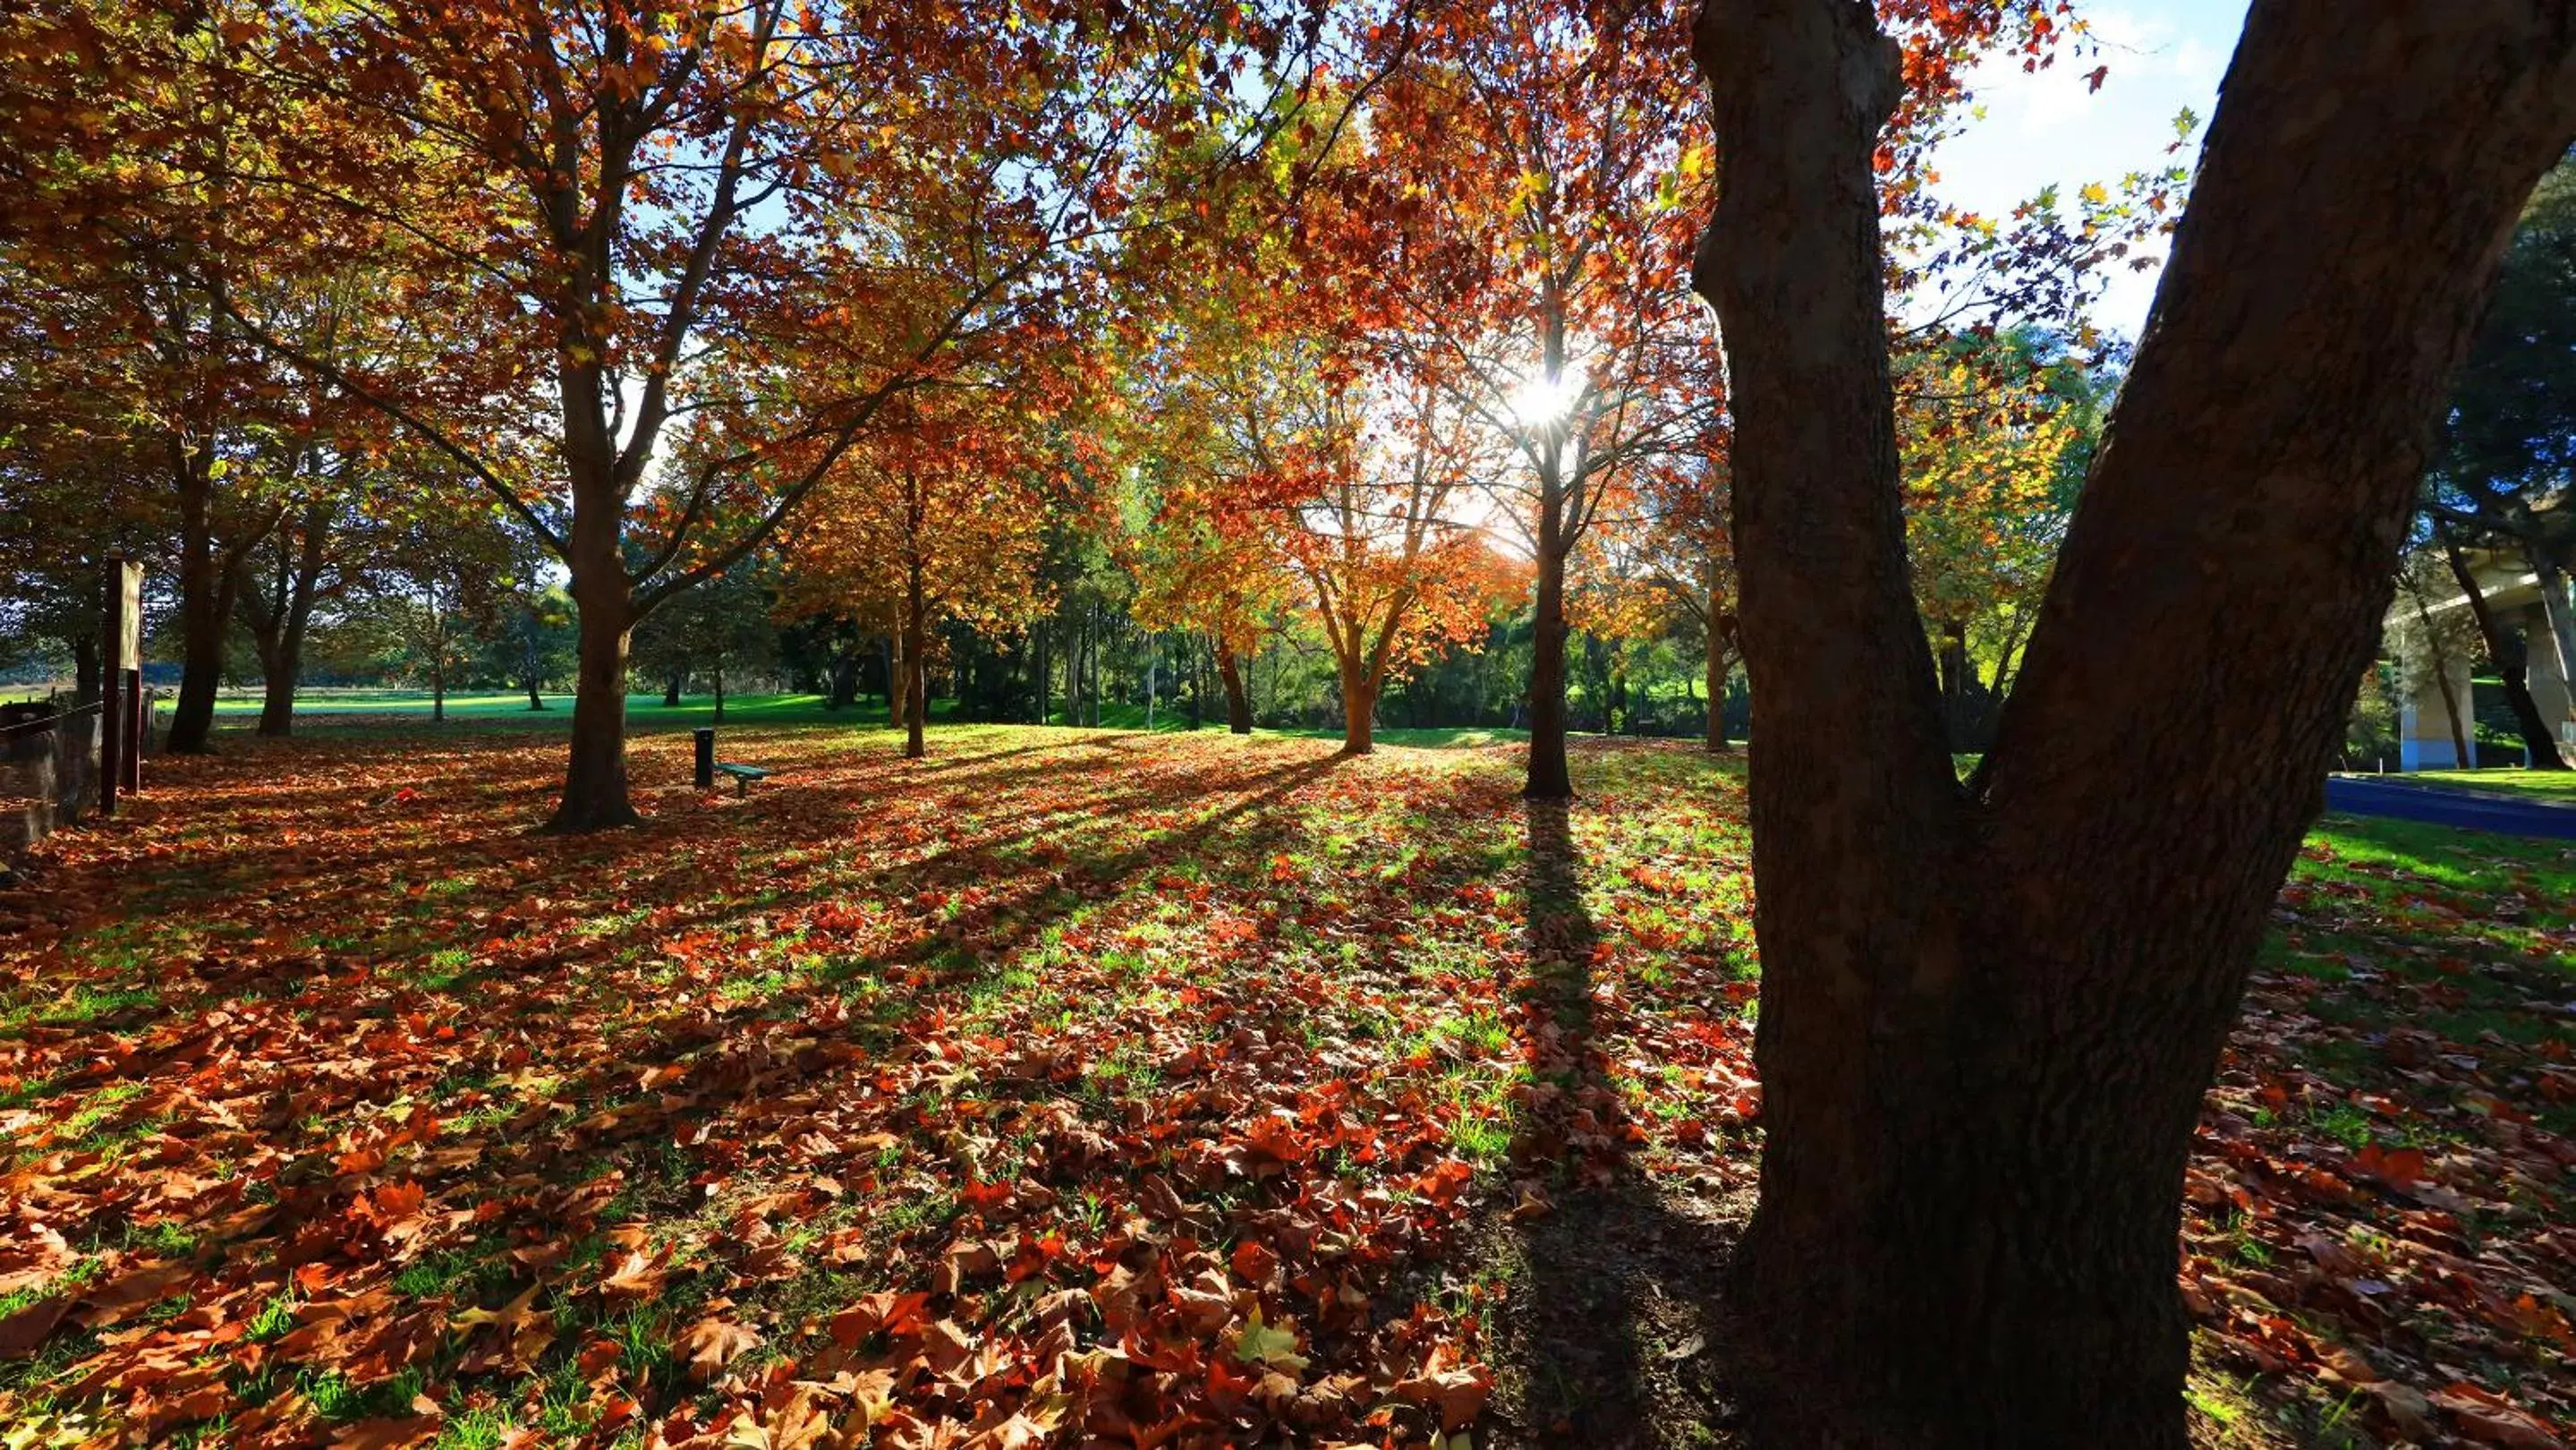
point(2512, 593)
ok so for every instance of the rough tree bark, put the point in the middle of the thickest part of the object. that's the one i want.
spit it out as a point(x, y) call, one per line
point(2512, 656)
point(1359, 713)
point(1989, 1011)
point(594, 795)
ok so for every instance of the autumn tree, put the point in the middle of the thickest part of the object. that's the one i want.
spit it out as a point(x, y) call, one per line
point(718, 625)
point(1525, 216)
point(1995, 434)
point(941, 518)
point(1674, 537)
point(1990, 1009)
point(2505, 474)
point(653, 214)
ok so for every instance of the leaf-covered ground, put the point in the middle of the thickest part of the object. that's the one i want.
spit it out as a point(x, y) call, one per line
point(1094, 1089)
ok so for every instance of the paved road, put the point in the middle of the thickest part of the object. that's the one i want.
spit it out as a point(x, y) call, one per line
point(2364, 797)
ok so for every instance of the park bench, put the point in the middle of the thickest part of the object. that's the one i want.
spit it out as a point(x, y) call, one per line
point(709, 767)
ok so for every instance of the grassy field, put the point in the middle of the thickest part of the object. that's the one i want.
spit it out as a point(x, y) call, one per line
point(646, 712)
point(2552, 785)
point(951, 1097)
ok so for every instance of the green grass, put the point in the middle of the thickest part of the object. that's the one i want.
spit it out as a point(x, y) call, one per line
point(357, 710)
point(2549, 785)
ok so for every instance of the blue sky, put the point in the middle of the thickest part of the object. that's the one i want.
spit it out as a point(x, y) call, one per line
point(2048, 128)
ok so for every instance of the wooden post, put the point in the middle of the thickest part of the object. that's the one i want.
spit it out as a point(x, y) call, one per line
point(121, 718)
point(705, 736)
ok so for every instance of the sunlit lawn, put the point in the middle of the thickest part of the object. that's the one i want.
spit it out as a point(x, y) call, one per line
point(1085, 1085)
point(2558, 785)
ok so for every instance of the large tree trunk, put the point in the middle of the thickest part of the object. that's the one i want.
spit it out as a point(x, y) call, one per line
point(205, 610)
point(1989, 1015)
point(1359, 712)
point(2512, 658)
point(1549, 780)
point(277, 670)
point(595, 793)
point(1238, 701)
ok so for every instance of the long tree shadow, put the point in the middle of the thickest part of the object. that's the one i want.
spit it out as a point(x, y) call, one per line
point(1611, 1332)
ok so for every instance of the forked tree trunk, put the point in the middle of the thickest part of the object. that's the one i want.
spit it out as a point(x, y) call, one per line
point(1238, 701)
point(1549, 780)
point(280, 628)
point(2512, 656)
point(1988, 1019)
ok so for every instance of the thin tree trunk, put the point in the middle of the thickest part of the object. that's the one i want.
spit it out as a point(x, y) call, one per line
point(89, 669)
point(916, 673)
point(205, 600)
point(1716, 628)
point(1238, 701)
point(1989, 1013)
point(719, 684)
point(2442, 680)
point(1549, 779)
point(1039, 668)
point(2512, 661)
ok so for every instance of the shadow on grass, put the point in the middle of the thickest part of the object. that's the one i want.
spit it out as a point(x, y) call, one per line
point(1610, 1334)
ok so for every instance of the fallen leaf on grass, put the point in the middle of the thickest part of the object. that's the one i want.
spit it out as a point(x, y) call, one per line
point(712, 1343)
